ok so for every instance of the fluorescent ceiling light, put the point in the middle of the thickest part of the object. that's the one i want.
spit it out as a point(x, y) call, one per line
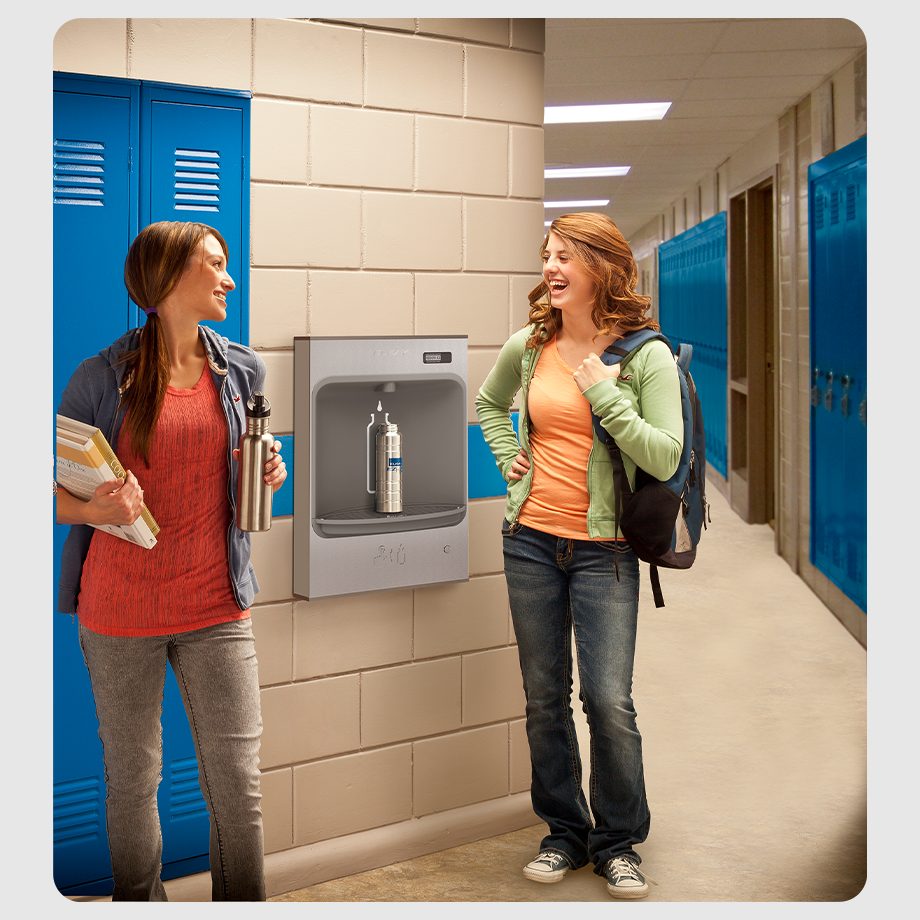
point(588, 203)
point(620, 111)
point(584, 172)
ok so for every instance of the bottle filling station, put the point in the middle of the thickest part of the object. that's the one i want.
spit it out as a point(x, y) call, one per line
point(380, 432)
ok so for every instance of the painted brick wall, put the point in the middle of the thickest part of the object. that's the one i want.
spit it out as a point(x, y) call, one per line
point(397, 183)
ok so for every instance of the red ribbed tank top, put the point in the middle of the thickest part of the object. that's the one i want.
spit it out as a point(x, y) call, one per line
point(183, 582)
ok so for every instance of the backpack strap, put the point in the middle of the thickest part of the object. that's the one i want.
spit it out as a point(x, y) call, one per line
point(656, 585)
point(620, 352)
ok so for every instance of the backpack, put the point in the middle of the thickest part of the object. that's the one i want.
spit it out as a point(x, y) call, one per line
point(662, 521)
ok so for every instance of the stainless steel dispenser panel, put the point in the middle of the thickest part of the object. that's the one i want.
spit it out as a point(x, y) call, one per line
point(347, 536)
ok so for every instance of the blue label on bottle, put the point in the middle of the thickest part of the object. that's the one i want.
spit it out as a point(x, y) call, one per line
point(394, 462)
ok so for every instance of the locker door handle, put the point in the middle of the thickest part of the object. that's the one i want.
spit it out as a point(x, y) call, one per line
point(815, 374)
point(845, 396)
point(829, 392)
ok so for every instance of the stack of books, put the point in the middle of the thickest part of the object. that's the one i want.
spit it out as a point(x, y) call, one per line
point(84, 461)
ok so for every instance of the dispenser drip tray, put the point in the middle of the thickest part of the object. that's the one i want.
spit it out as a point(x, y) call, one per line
point(417, 516)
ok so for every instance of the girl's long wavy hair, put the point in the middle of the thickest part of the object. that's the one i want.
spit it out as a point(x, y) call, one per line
point(595, 241)
point(155, 262)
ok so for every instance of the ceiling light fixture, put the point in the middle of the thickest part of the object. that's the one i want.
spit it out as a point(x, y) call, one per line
point(619, 111)
point(587, 203)
point(584, 172)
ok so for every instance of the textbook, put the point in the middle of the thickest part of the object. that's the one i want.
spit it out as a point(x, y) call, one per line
point(84, 461)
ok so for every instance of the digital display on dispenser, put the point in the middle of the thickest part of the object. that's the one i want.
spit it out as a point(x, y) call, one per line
point(436, 357)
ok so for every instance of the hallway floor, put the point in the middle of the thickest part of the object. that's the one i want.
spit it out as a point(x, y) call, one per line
point(751, 699)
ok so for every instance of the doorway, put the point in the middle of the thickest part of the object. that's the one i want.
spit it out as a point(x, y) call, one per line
point(752, 354)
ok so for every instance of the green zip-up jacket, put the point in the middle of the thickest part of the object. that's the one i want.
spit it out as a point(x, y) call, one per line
point(641, 410)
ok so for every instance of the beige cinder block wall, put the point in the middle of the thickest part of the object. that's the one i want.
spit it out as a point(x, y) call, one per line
point(787, 148)
point(397, 183)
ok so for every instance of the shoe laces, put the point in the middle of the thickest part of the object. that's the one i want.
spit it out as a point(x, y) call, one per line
point(553, 860)
point(624, 867)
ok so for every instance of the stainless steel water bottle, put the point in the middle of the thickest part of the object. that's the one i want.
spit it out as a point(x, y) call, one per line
point(388, 499)
point(253, 494)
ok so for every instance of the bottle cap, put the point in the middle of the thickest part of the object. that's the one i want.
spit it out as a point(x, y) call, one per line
point(258, 406)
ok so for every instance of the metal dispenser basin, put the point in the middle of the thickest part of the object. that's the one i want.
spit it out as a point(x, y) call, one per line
point(342, 386)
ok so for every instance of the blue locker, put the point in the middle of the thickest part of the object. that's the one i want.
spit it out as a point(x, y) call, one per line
point(693, 308)
point(192, 161)
point(114, 153)
point(838, 284)
point(195, 156)
point(94, 212)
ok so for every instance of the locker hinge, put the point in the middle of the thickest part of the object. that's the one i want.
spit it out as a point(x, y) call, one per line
point(130, 159)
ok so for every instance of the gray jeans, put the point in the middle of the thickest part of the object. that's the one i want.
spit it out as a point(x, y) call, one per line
point(217, 675)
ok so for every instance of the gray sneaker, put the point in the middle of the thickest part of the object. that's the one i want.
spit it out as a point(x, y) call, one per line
point(624, 880)
point(548, 867)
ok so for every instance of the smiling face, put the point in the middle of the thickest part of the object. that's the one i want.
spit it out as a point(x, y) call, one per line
point(570, 285)
point(201, 292)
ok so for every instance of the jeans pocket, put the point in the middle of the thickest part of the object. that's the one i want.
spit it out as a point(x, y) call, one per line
point(614, 546)
point(509, 529)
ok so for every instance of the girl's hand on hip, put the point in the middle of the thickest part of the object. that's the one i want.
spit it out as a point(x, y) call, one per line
point(592, 370)
point(519, 466)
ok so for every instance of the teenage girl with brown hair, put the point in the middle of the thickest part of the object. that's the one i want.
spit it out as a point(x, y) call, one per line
point(567, 566)
point(170, 397)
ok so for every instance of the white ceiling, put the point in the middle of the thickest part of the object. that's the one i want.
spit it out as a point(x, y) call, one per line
point(727, 80)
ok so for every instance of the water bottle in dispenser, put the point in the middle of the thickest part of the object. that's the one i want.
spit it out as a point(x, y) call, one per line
point(388, 453)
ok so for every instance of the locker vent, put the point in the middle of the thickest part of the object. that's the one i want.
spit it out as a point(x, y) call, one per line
point(851, 202)
point(819, 211)
point(78, 810)
point(197, 185)
point(79, 172)
point(185, 799)
point(835, 207)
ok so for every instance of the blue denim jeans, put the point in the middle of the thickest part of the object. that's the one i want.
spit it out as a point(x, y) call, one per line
point(557, 585)
point(217, 674)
